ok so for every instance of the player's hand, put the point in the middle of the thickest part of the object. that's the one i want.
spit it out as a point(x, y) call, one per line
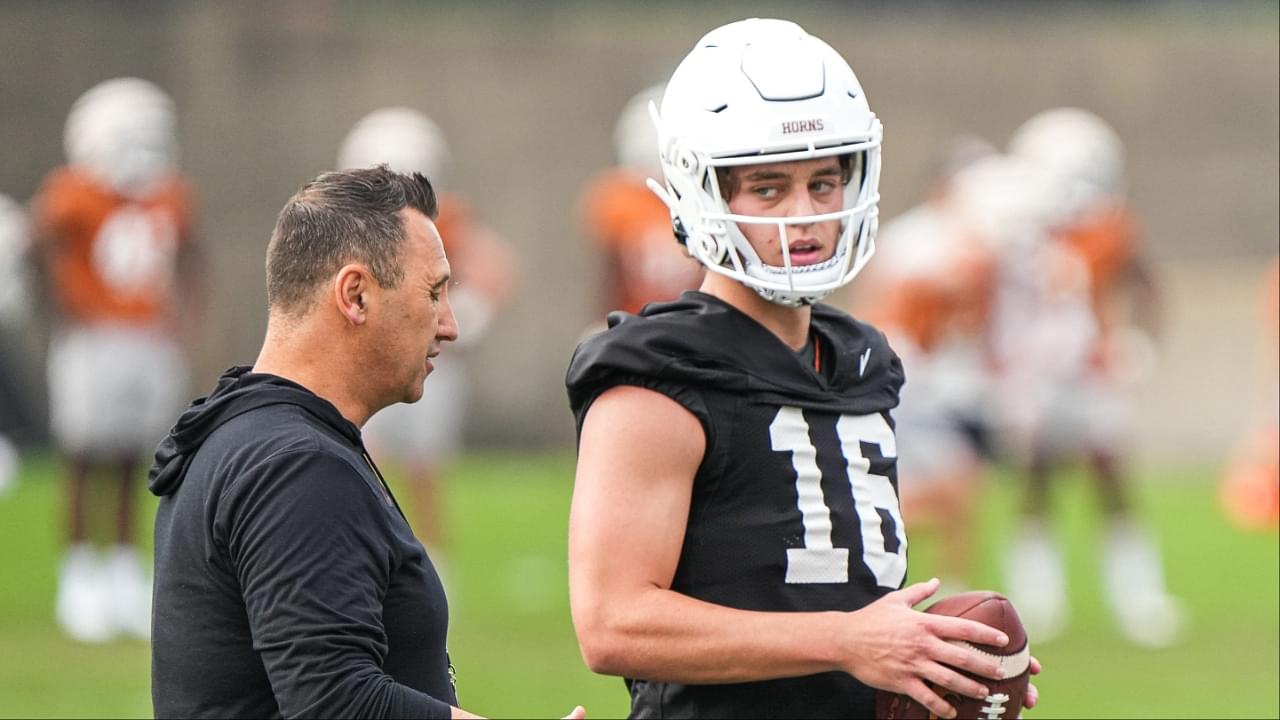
point(896, 648)
point(1033, 694)
point(578, 713)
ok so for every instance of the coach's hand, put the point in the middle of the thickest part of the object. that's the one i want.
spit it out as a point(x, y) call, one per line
point(894, 647)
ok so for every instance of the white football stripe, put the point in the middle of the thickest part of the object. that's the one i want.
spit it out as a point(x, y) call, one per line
point(1010, 665)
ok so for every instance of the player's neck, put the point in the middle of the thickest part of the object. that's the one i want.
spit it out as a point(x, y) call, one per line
point(790, 324)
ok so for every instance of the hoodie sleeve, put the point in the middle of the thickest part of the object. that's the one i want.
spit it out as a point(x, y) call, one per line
point(314, 555)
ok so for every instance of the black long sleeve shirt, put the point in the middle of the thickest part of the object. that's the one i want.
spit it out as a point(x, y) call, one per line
point(287, 582)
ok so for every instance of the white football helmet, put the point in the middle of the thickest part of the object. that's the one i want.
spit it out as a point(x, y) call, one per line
point(765, 91)
point(1002, 201)
point(1082, 155)
point(634, 137)
point(402, 138)
point(122, 131)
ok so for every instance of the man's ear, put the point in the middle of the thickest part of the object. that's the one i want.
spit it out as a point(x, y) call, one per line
point(351, 287)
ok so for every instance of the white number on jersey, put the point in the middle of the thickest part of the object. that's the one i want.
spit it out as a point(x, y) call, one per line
point(135, 251)
point(819, 561)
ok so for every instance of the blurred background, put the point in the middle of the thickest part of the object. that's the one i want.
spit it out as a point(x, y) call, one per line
point(527, 94)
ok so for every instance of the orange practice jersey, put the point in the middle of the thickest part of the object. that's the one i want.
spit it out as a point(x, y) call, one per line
point(453, 221)
point(915, 307)
point(630, 224)
point(478, 258)
point(111, 259)
point(1106, 244)
point(930, 307)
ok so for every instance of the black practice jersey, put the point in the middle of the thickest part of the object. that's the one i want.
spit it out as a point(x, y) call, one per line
point(794, 507)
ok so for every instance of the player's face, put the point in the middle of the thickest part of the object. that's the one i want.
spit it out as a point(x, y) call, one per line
point(419, 316)
point(789, 189)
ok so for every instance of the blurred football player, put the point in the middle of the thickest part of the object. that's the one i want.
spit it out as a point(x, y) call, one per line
point(1075, 377)
point(420, 439)
point(630, 226)
point(14, 306)
point(1250, 485)
point(929, 290)
point(1037, 322)
point(113, 229)
point(736, 547)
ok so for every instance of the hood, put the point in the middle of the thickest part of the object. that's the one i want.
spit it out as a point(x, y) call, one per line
point(238, 391)
point(703, 341)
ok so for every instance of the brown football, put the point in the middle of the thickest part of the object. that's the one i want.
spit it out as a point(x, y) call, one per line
point(1005, 700)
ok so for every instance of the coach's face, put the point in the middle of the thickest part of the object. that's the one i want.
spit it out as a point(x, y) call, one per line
point(418, 318)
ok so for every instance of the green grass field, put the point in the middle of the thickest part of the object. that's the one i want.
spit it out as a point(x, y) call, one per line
point(513, 645)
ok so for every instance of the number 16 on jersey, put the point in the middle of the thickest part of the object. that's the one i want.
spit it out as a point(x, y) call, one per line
point(873, 498)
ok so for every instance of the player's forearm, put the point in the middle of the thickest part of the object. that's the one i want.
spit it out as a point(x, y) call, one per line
point(662, 635)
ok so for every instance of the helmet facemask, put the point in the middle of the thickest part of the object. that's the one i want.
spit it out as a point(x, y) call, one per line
point(713, 233)
point(764, 92)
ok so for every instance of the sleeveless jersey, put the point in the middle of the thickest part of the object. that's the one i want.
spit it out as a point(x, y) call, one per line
point(111, 259)
point(794, 507)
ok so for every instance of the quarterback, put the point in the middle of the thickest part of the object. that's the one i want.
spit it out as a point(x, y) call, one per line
point(736, 547)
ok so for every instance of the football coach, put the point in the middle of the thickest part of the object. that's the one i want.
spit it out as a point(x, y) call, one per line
point(287, 580)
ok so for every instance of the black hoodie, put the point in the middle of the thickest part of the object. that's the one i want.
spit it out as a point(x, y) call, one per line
point(780, 434)
point(287, 582)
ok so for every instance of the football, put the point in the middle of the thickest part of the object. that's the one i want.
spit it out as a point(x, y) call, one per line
point(1005, 700)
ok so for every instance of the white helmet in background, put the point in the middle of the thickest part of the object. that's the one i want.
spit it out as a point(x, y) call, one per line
point(1002, 201)
point(765, 91)
point(958, 153)
point(635, 138)
point(14, 241)
point(403, 139)
point(122, 131)
point(1082, 155)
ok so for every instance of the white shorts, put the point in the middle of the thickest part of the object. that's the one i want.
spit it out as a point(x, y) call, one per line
point(429, 431)
point(1091, 413)
point(113, 391)
point(932, 444)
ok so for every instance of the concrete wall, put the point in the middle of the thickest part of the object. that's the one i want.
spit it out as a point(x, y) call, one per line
point(528, 93)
